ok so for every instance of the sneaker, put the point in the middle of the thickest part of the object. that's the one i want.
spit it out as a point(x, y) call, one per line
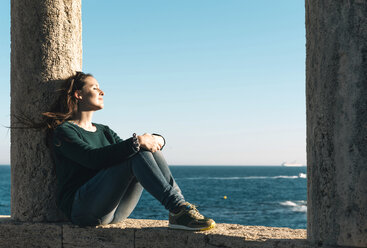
point(189, 218)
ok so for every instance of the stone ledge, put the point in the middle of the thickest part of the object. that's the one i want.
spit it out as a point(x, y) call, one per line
point(136, 233)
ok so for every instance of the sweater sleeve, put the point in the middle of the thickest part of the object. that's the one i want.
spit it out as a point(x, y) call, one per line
point(68, 143)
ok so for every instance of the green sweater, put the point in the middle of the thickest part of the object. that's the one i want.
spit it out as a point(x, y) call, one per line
point(79, 155)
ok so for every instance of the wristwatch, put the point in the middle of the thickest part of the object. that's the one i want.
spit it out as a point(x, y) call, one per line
point(136, 142)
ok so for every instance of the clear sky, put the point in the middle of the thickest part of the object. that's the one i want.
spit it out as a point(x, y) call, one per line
point(222, 81)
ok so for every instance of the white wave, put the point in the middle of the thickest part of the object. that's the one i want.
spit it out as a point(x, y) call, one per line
point(275, 177)
point(301, 175)
point(288, 203)
point(289, 177)
point(298, 206)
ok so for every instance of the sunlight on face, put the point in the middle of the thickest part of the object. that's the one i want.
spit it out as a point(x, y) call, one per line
point(92, 95)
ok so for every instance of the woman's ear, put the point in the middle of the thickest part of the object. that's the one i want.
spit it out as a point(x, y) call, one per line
point(77, 95)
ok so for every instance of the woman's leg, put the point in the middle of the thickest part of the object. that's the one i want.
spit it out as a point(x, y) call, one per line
point(162, 164)
point(151, 177)
point(131, 197)
point(128, 202)
point(97, 200)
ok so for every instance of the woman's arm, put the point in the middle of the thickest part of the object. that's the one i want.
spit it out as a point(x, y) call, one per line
point(68, 143)
point(151, 142)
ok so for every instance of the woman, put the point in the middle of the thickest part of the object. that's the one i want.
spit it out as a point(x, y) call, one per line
point(100, 176)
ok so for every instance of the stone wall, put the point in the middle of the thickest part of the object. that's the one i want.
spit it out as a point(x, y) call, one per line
point(146, 233)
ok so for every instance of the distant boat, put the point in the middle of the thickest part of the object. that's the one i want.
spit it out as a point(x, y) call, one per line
point(292, 164)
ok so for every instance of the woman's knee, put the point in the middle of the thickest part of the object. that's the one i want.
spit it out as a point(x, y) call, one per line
point(143, 156)
point(144, 152)
point(151, 155)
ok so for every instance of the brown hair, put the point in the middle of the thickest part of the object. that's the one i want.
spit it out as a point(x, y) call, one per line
point(66, 104)
point(61, 110)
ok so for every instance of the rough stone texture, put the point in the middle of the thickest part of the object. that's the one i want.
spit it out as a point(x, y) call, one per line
point(146, 233)
point(13, 234)
point(153, 233)
point(74, 236)
point(336, 83)
point(46, 47)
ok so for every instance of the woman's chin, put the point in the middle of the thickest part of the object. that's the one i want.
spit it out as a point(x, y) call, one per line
point(99, 107)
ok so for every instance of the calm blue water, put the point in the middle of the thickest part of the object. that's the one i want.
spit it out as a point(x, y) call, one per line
point(4, 190)
point(256, 195)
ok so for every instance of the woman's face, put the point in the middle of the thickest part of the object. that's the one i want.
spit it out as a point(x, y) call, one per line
point(90, 96)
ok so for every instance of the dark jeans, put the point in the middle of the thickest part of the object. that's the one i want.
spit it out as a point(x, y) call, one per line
point(112, 194)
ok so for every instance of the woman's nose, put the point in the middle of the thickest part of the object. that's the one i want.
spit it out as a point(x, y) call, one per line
point(101, 92)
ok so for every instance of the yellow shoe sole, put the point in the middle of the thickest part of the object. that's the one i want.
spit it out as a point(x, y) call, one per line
point(179, 227)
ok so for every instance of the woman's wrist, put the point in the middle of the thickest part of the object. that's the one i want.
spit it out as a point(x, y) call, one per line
point(136, 142)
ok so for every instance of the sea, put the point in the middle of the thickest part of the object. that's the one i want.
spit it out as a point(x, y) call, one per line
point(248, 195)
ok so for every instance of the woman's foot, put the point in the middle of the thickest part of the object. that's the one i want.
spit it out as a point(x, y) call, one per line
point(189, 218)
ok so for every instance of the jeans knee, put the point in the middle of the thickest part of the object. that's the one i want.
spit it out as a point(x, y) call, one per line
point(144, 155)
point(144, 152)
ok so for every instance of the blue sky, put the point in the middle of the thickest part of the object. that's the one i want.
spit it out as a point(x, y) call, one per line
point(223, 81)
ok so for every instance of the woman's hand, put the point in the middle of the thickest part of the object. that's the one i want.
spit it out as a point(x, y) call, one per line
point(150, 142)
point(160, 140)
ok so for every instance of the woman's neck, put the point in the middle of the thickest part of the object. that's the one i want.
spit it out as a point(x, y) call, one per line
point(84, 119)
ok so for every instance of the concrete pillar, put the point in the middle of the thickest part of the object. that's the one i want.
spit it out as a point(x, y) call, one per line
point(46, 47)
point(336, 98)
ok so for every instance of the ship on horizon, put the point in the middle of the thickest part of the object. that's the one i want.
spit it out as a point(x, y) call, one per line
point(293, 164)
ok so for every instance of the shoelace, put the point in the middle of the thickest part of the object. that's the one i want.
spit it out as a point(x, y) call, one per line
point(194, 212)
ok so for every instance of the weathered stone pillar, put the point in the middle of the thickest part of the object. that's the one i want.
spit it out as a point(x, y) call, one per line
point(336, 78)
point(45, 48)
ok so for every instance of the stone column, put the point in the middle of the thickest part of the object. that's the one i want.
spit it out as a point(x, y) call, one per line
point(336, 99)
point(46, 47)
